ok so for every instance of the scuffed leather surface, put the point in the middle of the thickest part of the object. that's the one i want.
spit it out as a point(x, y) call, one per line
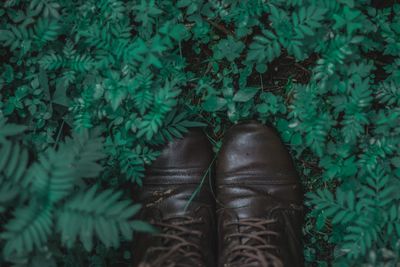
point(255, 177)
point(168, 185)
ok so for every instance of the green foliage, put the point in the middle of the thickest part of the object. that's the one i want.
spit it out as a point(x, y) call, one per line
point(104, 214)
point(264, 49)
point(228, 48)
point(123, 77)
point(51, 192)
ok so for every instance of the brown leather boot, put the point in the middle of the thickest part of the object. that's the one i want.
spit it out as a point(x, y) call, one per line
point(185, 238)
point(259, 200)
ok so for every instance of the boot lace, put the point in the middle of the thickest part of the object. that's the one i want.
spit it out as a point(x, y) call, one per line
point(255, 246)
point(179, 243)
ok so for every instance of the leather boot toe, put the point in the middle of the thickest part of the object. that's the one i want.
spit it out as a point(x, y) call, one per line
point(186, 232)
point(259, 200)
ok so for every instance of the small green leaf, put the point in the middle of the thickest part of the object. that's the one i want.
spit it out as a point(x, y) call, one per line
point(263, 108)
point(214, 103)
point(320, 222)
point(142, 226)
point(178, 32)
point(60, 95)
point(261, 68)
point(245, 94)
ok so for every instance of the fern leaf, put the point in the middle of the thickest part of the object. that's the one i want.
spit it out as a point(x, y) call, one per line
point(8, 191)
point(132, 166)
point(353, 126)
point(103, 215)
point(56, 172)
point(97, 36)
point(317, 131)
point(132, 162)
point(175, 126)
point(359, 237)
point(29, 229)
point(46, 30)
point(52, 177)
point(388, 93)
point(83, 121)
point(143, 100)
point(51, 61)
point(16, 38)
point(9, 129)
point(341, 210)
point(80, 63)
point(49, 8)
point(13, 162)
point(264, 49)
point(13, 165)
point(87, 150)
point(11, 3)
point(112, 8)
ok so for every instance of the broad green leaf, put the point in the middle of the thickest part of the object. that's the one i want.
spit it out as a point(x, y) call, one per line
point(214, 103)
point(245, 94)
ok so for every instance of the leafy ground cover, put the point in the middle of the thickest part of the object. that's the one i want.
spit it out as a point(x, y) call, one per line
point(90, 90)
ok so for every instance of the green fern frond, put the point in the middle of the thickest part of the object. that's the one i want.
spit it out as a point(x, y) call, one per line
point(360, 236)
point(378, 188)
point(51, 61)
point(46, 30)
point(103, 215)
point(146, 12)
point(8, 192)
point(164, 101)
point(97, 37)
point(9, 129)
point(29, 229)
point(56, 172)
point(48, 8)
point(143, 100)
point(361, 95)
point(132, 162)
point(13, 165)
point(264, 49)
point(388, 93)
point(317, 131)
point(307, 20)
point(68, 77)
point(342, 208)
point(69, 49)
point(337, 50)
point(176, 124)
point(16, 37)
point(80, 63)
point(354, 126)
point(11, 3)
point(83, 121)
point(52, 177)
point(132, 166)
point(87, 149)
point(112, 9)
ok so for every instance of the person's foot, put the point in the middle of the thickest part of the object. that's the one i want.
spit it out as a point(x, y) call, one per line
point(186, 237)
point(259, 200)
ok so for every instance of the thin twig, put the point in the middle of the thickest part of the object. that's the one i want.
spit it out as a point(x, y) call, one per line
point(301, 67)
point(59, 134)
point(220, 27)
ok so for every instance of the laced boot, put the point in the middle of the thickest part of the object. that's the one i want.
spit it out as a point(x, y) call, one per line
point(186, 237)
point(259, 200)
